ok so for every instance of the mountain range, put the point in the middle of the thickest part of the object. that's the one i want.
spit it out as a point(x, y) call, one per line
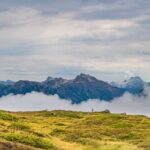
point(81, 88)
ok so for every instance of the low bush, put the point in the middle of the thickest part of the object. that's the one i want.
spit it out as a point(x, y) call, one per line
point(19, 126)
point(29, 140)
point(7, 116)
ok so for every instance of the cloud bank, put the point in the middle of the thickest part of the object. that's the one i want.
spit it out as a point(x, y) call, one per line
point(37, 101)
point(105, 38)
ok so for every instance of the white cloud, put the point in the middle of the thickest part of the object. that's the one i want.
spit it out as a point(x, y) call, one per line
point(48, 43)
point(29, 25)
point(37, 101)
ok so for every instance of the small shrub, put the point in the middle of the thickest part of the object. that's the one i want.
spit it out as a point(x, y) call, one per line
point(60, 124)
point(128, 136)
point(7, 116)
point(106, 111)
point(121, 125)
point(19, 126)
point(57, 132)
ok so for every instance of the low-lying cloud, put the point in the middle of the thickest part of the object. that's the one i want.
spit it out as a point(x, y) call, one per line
point(37, 101)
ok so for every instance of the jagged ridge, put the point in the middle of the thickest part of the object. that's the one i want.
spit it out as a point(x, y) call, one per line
point(82, 88)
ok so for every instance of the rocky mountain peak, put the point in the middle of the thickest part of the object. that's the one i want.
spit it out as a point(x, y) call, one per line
point(49, 78)
point(134, 79)
point(85, 77)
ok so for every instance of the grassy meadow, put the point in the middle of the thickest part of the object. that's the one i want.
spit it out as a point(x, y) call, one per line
point(66, 130)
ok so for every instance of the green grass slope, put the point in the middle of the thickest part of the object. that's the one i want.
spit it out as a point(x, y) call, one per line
point(66, 130)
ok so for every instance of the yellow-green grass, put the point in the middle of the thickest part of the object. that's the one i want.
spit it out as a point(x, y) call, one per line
point(66, 130)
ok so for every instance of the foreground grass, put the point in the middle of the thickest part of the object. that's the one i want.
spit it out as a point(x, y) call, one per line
point(66, 130)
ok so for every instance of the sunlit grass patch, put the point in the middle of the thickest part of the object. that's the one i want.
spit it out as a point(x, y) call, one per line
point(28, 140)
point(19, 126)
point(122, 125)
point(7, 116)
point(65, 130)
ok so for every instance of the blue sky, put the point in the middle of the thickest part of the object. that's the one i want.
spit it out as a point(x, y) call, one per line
point(109, 39)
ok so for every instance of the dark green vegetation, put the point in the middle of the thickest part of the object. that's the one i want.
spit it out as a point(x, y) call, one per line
point(66, 130)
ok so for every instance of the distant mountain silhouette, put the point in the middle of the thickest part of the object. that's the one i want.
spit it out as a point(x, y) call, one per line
point(134, 85)
point(85, 87)
point(82, 88)
point(8, 82)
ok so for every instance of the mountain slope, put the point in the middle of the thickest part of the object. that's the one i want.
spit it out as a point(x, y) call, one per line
point(81, 88)
point(85, 87)
point(134, 85)
point(7, 82)
point(21, 87)
point(66, 130)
